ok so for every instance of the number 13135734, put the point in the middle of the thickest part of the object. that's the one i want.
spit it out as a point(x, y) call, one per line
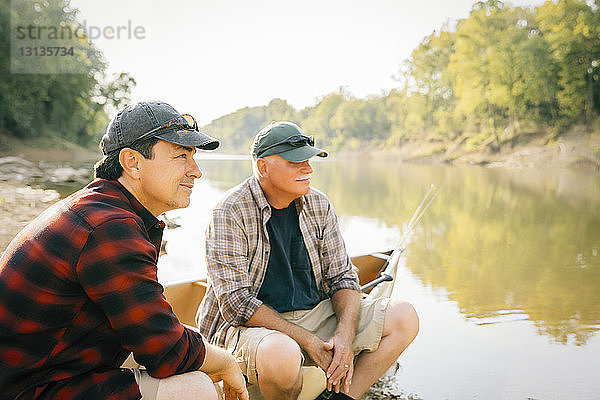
point(47, 51)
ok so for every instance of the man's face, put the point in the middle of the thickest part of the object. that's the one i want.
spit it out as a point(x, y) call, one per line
point(290, 180)
point(167, 179)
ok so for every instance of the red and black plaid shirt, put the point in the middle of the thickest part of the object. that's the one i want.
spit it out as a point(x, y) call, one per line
point(79, 292)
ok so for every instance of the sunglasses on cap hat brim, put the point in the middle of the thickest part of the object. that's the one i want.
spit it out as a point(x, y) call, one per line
point(294, 141)
point(184, 122)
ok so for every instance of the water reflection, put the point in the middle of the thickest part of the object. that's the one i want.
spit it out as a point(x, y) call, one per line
point(523, 244)
point(505, 245)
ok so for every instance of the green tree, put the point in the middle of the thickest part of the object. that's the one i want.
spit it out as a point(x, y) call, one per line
point(279, 110)
point(572, 29)
point(396, 104)
point(431, 79)
point(501, 67)
point(519, 66)
point(361, 120)
point(470, 64)
point(317, 120)
point(237, 129)
point(52, 103)
point(108, 97)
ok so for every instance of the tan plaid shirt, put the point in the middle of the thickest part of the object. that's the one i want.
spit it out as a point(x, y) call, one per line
point(237, 254)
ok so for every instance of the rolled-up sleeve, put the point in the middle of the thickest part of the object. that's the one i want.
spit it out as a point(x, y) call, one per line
point(338, 270)
point(227, 257)
point(117, 271)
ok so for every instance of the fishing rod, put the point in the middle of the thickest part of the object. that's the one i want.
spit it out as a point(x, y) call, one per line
point(401, 247)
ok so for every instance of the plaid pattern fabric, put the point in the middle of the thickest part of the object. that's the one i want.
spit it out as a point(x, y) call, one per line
point(79, 292)
point(237, 254)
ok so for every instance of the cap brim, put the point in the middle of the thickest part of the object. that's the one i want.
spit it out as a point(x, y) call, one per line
point(190, 139)
point(298, 154)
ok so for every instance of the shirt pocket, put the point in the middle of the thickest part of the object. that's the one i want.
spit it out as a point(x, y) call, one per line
point(299, 254)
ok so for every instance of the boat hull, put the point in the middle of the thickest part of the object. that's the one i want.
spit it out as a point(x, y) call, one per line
point(185, 297)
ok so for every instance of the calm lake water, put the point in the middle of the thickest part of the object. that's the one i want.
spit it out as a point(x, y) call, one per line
point(504, 269)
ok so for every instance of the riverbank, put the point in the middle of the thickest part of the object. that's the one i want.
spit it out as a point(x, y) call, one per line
point(27, 169)
point(579, 148)
point(19, 205)
point(52, 149)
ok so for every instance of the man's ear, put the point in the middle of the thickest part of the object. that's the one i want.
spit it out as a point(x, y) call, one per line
point(261, 167)
point(130, 161)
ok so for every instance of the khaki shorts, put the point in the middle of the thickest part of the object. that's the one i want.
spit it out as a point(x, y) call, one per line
point(147, 384)
point(243, 342)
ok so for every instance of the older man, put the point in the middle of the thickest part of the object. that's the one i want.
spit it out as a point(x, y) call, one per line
point(78, 286)
point(282, 287)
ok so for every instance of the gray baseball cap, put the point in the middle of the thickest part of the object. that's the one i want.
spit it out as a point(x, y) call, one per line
point(285, 139)
point(154, 119)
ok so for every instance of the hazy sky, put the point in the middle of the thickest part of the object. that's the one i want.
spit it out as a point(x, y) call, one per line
point(210, 58)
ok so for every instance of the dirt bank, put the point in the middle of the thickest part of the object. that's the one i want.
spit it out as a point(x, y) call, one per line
point(24, 181)
point(47, 149)
point(577, 148)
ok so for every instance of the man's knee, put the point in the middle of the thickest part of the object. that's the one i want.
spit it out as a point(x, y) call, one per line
point(191, 385)
point(402, 317)
point(279, 361)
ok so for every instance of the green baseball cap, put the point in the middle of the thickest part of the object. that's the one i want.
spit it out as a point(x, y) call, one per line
point(285, 139)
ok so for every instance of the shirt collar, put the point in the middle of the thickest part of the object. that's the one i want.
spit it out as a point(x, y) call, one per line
point(150, 221)
point(261, 199)
point(258, 194)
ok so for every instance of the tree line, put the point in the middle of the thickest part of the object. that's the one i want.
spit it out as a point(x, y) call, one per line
point(44, 101)
point(501, 75)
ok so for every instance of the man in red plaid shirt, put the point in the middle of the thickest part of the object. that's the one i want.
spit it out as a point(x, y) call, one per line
point(79, 289)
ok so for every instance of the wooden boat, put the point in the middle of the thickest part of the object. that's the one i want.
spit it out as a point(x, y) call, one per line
point(185, 297)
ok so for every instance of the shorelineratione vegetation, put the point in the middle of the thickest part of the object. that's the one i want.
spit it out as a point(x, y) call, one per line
point(502, 75)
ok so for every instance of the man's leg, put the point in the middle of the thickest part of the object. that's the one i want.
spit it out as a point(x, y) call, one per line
point(400, 327)
point(279, 367)
point(191, 385)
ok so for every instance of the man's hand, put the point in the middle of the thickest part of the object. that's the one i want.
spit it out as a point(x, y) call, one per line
point(341, 368)
point(234, 384)
point(319, 351)
point(346, 304)
point(219, 365)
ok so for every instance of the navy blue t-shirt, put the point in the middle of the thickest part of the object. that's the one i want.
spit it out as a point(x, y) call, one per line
point(289, 282)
